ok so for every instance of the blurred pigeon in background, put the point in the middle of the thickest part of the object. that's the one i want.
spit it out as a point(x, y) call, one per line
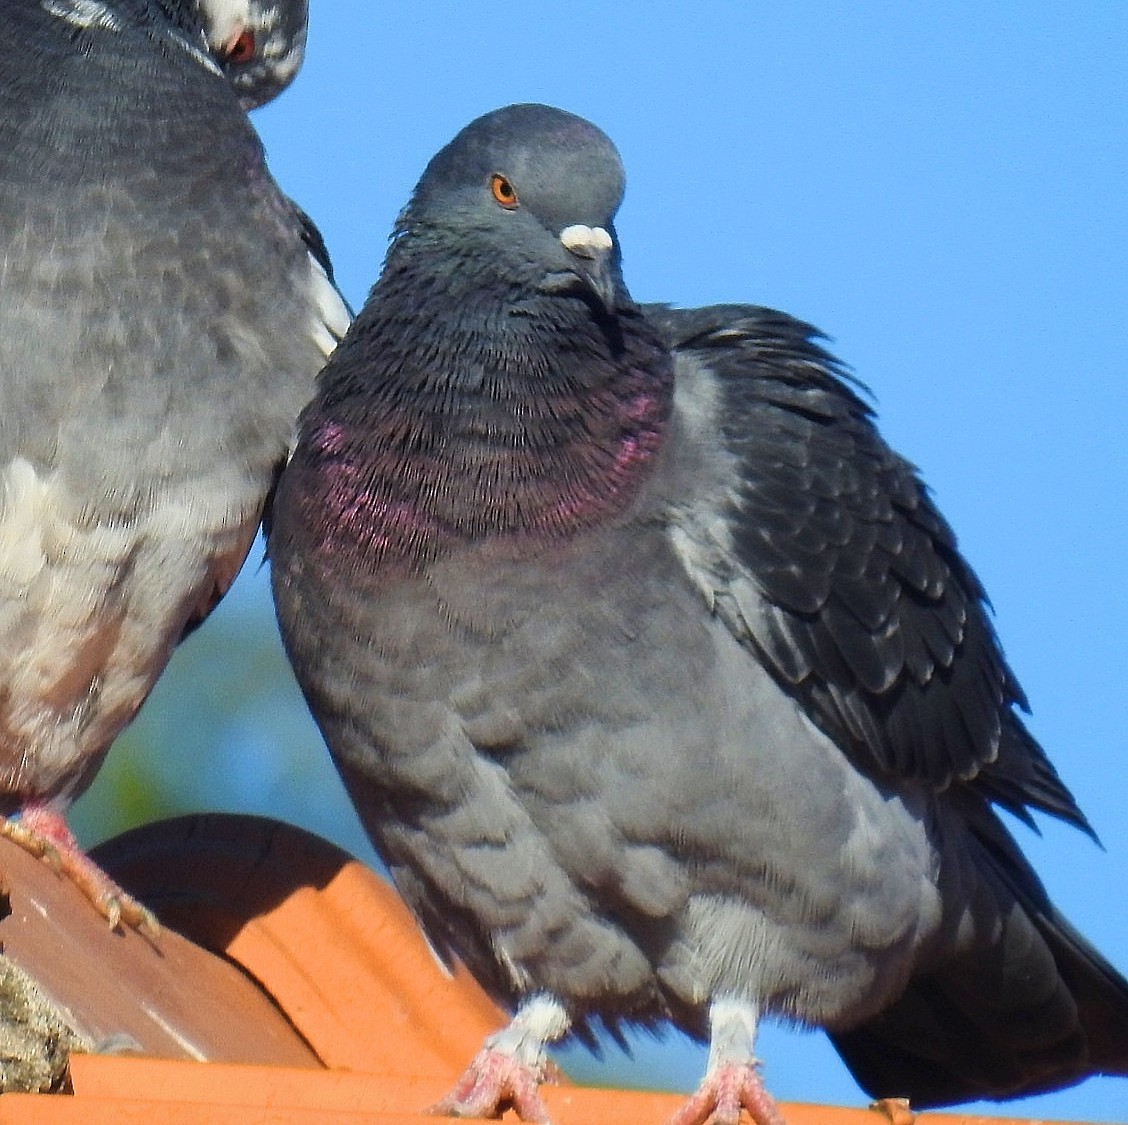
point(259, 44)
point(163, 313)
point(655, 675)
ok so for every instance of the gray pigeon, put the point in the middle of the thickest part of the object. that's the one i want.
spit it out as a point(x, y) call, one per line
point(654, 674)
point(162, 317)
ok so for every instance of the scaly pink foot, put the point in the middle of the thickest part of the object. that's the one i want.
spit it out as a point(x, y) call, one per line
point(508, 1071)
point(723, 1093)
point(494, 1082)
point(43, 832)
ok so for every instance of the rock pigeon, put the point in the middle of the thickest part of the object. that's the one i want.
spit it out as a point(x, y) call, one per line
point(163, 314)
point(655, 676)
point(259, 44)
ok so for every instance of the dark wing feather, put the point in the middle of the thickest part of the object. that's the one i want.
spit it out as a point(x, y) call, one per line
point(314, 241)
point(866, 610)
point(1035, 1009)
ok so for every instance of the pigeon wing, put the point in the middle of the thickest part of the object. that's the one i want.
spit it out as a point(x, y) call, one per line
point(828, 559)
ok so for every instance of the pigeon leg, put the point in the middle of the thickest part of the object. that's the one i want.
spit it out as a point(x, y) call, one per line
point(43, 832)
point(509, 1069)
point(732, 1080)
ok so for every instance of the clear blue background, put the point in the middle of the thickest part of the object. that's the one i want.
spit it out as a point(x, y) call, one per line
point(940, 186)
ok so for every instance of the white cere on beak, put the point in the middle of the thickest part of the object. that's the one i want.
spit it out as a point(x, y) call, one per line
point(585, 242)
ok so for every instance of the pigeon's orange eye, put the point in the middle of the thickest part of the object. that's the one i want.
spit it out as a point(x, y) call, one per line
point(503, 191)
point(241, 47)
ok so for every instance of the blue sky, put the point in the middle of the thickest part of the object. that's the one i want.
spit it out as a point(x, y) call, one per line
point(943, 189)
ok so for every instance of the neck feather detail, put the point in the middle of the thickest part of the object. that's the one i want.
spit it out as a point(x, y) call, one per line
point(526, 420)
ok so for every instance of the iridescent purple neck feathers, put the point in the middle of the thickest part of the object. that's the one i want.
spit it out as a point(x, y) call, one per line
point(449, 421)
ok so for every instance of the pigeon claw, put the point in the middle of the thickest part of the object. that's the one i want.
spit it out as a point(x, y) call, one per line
point(494, 1082)
point(897, 1110)
point(43, 833)
point(723, 1093)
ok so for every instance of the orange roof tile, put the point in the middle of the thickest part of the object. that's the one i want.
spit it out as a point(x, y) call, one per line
point(297, 974)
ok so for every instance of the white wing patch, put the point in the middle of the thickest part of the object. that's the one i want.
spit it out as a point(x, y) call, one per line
point(83, 13)
point(88, 14)
point(331, 315)
point(26, 527)
point(699, 532)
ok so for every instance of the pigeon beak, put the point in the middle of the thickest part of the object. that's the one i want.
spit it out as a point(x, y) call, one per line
point(591, 248)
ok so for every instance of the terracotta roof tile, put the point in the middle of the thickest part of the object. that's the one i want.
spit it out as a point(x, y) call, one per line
point(296, 973)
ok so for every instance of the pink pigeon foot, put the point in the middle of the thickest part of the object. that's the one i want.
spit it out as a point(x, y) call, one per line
point(509, 1070)
point(494, 1082)
point(722, 1095)
point(43, 832)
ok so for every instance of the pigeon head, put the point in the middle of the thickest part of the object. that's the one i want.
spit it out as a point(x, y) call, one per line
point(499, 382)
point(529, 193)
point(259, 44)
